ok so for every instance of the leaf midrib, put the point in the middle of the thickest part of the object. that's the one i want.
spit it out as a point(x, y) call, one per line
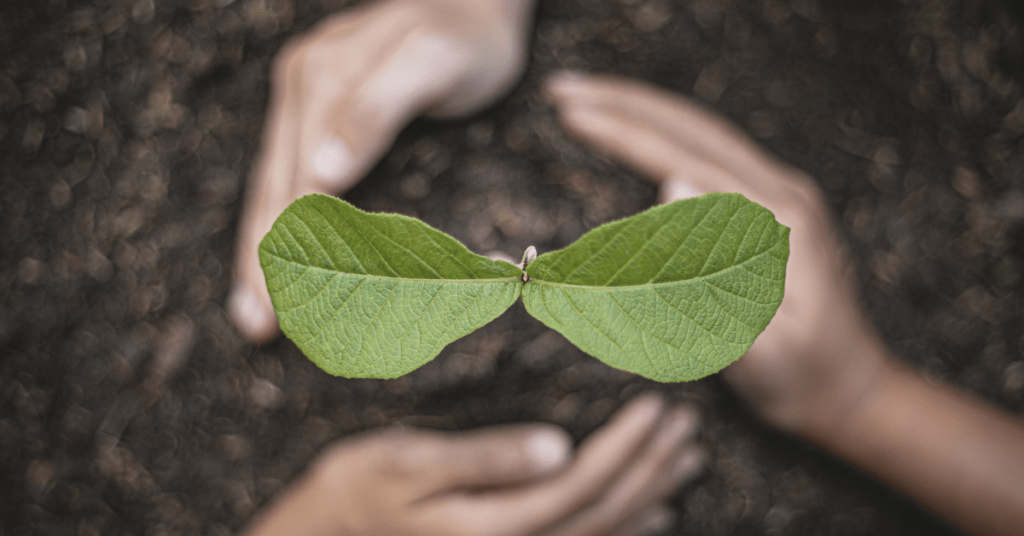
point(652, 285)
point(321, 268)
point(532, 280)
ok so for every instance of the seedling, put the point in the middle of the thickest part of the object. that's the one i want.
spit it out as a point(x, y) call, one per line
point(674, 293)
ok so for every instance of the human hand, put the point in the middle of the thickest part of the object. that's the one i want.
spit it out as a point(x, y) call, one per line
point(341, 94)
point(818, 357)
point(505, 480)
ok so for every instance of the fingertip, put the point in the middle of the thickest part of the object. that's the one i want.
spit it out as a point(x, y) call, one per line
point(648, 405)
point(566, 84)
point(683, 422)
point(675, 188)
point(639, 416)
point(332, 160)
point(253, 318)
point(655, 520)
point(689, 465)
point(549, 449)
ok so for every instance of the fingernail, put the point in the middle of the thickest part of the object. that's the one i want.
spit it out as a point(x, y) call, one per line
point(549, 449)
point(683, 423)
point(644, 410)
point(567, 84)
point(655, 521)
point(251, 316)
point(332, 159)
point(689, 464)
point(646, 406)
point(678, 188)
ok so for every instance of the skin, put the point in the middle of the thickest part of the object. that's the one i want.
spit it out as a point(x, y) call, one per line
point(329, 121)
point(507, 480)
point(818, 370)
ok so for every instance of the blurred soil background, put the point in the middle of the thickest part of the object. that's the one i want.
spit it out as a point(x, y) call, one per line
point(129, 404)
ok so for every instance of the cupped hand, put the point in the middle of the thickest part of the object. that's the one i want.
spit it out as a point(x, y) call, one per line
point(505, 480)
point(341, 94)
point(818, 357)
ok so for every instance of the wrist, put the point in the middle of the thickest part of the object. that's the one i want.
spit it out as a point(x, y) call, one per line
point(853, 397)
point(296, 511)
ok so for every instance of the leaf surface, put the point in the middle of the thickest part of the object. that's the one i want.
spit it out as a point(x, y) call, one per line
point(376, 295)
point(674, 293)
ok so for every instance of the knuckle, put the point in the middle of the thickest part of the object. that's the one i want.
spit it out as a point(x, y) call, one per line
point(492, 461)
point(414, 13)
point(805, 202)
point(313, 62)
point(809, 194)
point(435, 47)
point(363, 110)
point(406, 453)
point(286, 62)
point(302, 61)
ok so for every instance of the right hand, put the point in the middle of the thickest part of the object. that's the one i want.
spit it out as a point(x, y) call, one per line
point(818, 357)
point(341, 94)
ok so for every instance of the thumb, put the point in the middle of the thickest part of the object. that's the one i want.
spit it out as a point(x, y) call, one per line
point(674, 188)
point(501, 455)
point(345, 136)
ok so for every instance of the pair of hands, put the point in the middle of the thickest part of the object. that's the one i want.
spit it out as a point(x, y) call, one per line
point(341, 95)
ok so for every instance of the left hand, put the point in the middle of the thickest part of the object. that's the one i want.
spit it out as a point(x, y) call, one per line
point(342, 92)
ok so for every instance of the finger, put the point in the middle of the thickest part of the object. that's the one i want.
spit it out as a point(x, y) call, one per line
point(493, 456)
point(704, 133)
point(598, 461)
point(266, 197)
point(676, 187)
point(335, 62)
point(344, 137)
point(648, 150)
point(660, 156)
point(655, 519)
point(664, 463)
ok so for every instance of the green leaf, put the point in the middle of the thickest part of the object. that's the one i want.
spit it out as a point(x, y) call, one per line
point(376, 295)
point(674, 293)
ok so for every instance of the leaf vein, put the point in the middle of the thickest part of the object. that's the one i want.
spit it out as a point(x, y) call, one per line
point(682, 243)
point(625, 225)
point(336, 312)
point(403, 248)
point(694, 320)
point(718, 242)
point(642, 331)
point(385, 351)
point(584, 317)
point(311, 298)
point(642, 247)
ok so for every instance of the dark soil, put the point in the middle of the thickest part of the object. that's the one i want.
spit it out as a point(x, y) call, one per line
point(129, 405)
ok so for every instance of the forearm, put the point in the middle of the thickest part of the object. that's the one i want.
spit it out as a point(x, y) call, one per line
point(952, 454)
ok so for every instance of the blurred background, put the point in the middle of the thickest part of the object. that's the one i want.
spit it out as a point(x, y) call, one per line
point(129, 404)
